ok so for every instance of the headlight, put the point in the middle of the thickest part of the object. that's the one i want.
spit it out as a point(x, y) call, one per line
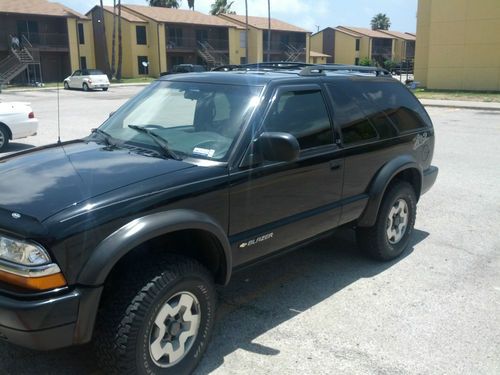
point(21, 252)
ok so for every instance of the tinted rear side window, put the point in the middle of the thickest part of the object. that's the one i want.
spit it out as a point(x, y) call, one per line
point(405, 112)
point(302, 114)
point(355, 127)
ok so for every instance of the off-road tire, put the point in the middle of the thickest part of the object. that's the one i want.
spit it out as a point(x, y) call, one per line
point(128, 310)
point(374, 240)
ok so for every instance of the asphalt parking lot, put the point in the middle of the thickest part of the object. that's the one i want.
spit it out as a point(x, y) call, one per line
point(326, 309)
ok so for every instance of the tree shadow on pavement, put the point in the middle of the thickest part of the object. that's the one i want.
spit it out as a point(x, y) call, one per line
point(257, 300)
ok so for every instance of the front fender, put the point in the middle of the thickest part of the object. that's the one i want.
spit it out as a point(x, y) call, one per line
point(142, 229)
point(379, 185)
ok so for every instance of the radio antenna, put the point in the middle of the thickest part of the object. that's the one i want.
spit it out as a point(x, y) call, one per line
point(58, 116)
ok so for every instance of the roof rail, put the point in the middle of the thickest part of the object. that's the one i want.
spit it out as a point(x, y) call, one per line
point(319, 70)
point(276, 65)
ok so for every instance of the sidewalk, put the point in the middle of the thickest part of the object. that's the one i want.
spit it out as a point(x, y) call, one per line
point(481, 106)
point(61, 87)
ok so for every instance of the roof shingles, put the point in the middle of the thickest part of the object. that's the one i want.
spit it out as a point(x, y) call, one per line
point(170, 15)
point(262, 23)
point(37, 7)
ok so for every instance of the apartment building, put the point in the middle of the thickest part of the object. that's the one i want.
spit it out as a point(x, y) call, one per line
point(53, 41)
point(348, 45)
point(458, 44)
point(287, 43)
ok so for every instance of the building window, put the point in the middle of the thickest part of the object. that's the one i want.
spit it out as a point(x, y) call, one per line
point(356, 61)
point(140, 34)
point(357, 44)
point(243, 39)
point(143, 64)
point(175, 39)
point(83, 62)
point(81, 34)
point(243, 60)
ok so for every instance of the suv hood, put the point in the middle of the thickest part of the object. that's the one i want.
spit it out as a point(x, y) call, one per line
point(39, 183)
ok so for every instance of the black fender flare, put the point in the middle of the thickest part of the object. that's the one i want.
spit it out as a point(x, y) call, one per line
point(140, 230)
point(379, 185)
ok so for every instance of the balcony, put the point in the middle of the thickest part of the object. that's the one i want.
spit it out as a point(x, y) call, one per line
point(37, 40)
point(279, 46)
point(190, 44)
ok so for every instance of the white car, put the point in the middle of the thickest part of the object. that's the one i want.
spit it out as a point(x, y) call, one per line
point(87, 79)
point(17, 120)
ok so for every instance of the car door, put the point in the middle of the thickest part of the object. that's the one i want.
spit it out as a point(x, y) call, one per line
point(276, 204)
point(75, 79)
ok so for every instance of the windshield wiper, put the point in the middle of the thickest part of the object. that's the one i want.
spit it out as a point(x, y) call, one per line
point(163, 143)
point(106, 136)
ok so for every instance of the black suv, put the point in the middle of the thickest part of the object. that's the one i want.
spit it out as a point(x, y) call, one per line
point(120, 237)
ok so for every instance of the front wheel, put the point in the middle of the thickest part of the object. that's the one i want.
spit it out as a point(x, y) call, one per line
point(66, 85)
point(104, 89)
point(85, 87)
point(165, 328)
point(4, 138)
point(390, 235)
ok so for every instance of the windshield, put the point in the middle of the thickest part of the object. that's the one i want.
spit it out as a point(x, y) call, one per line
point(94, 72)
point(200, 120)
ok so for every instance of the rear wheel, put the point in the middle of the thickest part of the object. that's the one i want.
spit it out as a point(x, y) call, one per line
point(66, 85)
point(165, 327)
point(4, 138)
point(85, 87)
point(104, 89)
point(390, 235)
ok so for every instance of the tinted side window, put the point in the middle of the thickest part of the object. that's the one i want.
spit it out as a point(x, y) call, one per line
point(349, 92)
point(355, 127)
point(302, 114)
point(399, 105)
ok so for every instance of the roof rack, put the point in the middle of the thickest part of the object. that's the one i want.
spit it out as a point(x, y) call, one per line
point(319, 70)
point(276, 65)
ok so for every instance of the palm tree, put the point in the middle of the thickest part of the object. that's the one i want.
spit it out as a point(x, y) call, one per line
point(221, 7)
point(165, 3)
point(191, 4)
point(380, 22)
point(120, 47)
point(113, 44)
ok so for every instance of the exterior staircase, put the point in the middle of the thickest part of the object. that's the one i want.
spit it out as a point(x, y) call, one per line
point(293, 53)
point(211, 57)
point(16, 63)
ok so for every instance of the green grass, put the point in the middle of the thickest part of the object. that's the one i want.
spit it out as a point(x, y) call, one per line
point(134, 80)
point(476, 96)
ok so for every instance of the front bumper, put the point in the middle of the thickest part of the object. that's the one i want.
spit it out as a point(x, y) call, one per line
point(429, 177)
point(51, 322)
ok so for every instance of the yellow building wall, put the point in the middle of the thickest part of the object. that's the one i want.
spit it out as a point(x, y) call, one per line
point(73, 44)
point(255, 45)
point(317, 42)
point(236, 52)
point(365, 47)
point(87, 49)
point(458, 44)
point(345, 48)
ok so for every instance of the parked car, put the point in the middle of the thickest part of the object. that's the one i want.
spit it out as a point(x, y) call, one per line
point(185, 68)
point(126, 232)
point(17, 120)
point(87, 79)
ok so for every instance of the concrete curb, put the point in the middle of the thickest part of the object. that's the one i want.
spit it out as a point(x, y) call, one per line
point(61, 87)
point(477, 106)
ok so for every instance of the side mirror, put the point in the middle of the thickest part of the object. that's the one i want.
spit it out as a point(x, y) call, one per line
point(277, 146)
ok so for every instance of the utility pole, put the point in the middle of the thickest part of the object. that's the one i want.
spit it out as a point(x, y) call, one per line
point(246, 31)
point(268, 30)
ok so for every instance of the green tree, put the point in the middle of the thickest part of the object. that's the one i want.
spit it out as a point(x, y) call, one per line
point(221, 7)
point(191, 4)
point(365, 61)
point(380, 22)
point(164, 3)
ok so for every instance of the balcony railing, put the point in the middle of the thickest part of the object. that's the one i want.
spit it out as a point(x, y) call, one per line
point(192, 44)
point(382, 51)
point(278, 46)
point(44, 39)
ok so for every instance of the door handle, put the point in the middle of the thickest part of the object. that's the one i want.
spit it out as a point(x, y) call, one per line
point(335, 164)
